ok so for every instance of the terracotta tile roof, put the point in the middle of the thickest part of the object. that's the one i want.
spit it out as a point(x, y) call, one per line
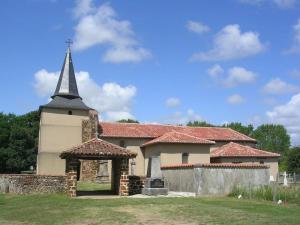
point(134, 130)
point(177, 137)
point(216, 165)
point(237, 150)
point(97, 148)
point(175, 166)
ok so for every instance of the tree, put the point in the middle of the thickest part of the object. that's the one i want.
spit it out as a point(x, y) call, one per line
point(5, 126)
point(293, 160)
point(199, 123)
point(272, 137)
point(18, 141)
point(127, 121)
point(239, 127)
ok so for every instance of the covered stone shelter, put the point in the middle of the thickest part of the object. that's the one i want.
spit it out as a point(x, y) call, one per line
point(97, 149)
point(243, 154)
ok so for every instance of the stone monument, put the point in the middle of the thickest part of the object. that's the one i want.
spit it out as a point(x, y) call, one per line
point(154, 184)
point(102, 174)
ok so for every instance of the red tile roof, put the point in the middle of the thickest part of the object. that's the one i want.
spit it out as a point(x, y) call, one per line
point(134, 130)
point(177, 137)
point(97, 148)
point(216, 165)
point(237, 150)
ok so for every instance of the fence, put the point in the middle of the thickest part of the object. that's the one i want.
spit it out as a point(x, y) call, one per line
point(292, 178)
point(215, 178)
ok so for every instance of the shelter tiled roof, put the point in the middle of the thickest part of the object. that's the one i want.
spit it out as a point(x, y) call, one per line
point(97, 148)
point(237, 150)
point(134, 130)
point(177, 137)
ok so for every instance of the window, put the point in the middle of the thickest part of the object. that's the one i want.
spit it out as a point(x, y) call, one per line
point(122, 143)
point(70, 112)
point(185, 158)
point(261, 162)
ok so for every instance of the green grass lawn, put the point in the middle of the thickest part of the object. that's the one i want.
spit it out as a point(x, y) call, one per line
point(59, 209)
point(92, 186)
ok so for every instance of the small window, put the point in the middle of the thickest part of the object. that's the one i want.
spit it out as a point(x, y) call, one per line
point(122, 143)
point(185, 158)
point(70, 112)
point(261, 162)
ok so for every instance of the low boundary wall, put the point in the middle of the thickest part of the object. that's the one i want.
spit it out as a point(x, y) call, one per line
point(136, 184)
point(214, 178)
point(31, 183)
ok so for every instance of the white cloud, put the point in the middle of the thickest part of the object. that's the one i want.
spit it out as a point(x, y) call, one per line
point(172, 102)
point(277, 87)
point(288, 115)
point(182, 117)
point(215, 71)
point(128, 54)
point(111, 100)
point(239, 75)
point(269, 101)
point(252, 2)
point(83, 7)
point(100, 26)
point(235, 99)
point(230, 43)
point(197, 27)
point(295, 73)
point(283, 4)
point(235, 76)
point(45, 82)
point(256, 120)
point(296, 45)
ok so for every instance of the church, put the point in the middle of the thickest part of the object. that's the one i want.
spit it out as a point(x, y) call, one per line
point(68, 127)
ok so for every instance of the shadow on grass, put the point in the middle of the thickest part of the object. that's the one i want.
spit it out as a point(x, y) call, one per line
point(95, 193)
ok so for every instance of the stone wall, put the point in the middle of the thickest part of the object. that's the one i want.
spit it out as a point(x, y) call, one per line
point(214, 179)
point(71, 172)
point(124, 180)
point(136, 183)
point(90, 169)
point(31, 183)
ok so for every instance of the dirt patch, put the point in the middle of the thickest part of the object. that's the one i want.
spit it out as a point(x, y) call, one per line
point(151, 215)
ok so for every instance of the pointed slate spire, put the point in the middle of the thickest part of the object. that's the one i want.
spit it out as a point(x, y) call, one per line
point(67, 86)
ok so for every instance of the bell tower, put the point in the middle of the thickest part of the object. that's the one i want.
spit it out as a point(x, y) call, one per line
point(61, 121)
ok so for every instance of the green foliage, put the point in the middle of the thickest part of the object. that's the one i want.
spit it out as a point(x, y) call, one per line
point(127, 121)
point(293, 160)
point(272, 137)
point(198, 123)
point(286, 194)
point(239, 127)
point(283, 164)
point(18, 141)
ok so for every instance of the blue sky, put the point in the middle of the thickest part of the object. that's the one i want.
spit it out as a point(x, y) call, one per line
point(158, 61)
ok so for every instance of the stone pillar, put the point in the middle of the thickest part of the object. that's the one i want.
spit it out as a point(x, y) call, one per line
point(124, 181)
point(71, 172)
point(92, 170)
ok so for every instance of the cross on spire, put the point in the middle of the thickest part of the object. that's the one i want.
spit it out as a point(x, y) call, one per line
point(69, 42)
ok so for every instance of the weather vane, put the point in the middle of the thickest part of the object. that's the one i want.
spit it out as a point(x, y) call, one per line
point(69, 42)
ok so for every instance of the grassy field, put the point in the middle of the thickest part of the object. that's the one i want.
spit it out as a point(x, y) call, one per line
point(289, 194)
point(58, 209)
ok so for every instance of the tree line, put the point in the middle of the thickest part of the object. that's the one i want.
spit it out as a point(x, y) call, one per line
point(19, 141)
